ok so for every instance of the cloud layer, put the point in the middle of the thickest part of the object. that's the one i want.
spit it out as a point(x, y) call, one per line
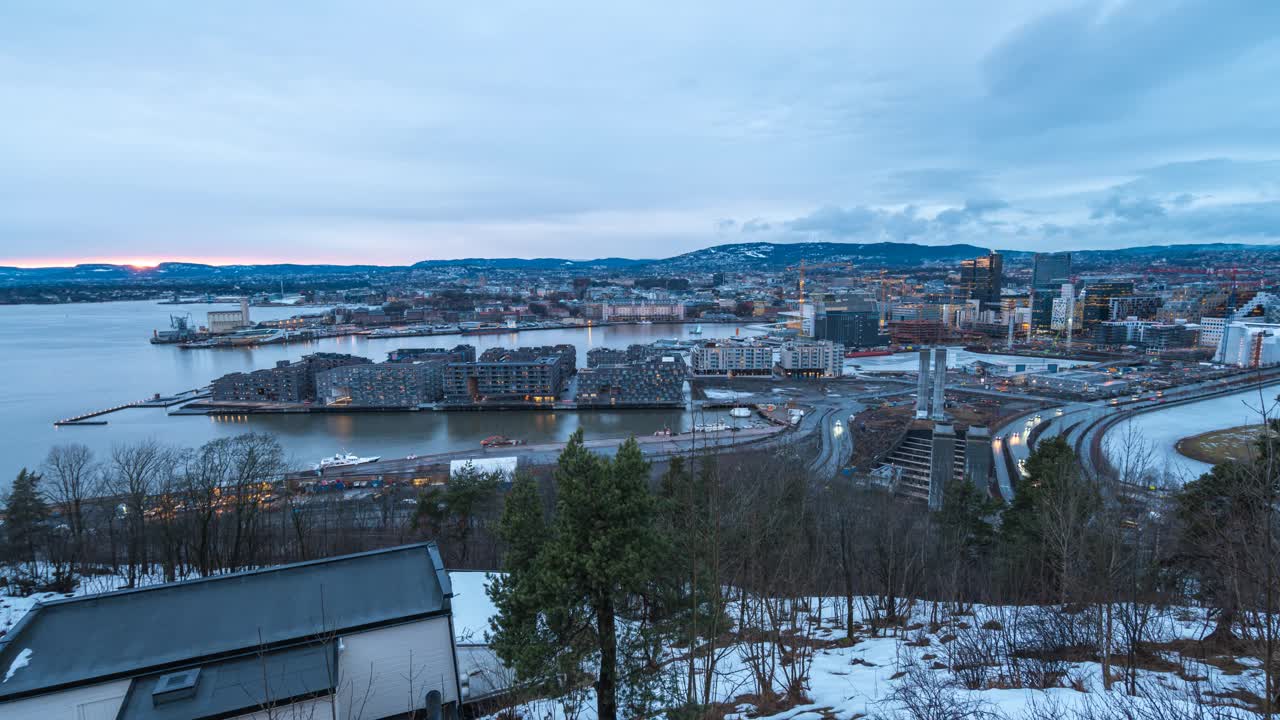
point(397, 131)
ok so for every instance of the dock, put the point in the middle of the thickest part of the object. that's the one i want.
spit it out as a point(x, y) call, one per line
point(156, 401)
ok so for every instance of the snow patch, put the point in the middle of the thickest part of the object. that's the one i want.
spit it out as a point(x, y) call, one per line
point(23, 660)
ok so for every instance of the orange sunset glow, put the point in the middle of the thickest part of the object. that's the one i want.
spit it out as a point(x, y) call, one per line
point(143, 262)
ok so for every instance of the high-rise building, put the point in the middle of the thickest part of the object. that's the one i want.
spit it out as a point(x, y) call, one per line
point(981, 277)
point(1049, 272)
point(1051, 269)
point(851, 328)
point(1097, 299)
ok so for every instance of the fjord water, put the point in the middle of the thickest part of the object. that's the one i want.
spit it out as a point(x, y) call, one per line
point(58, 361)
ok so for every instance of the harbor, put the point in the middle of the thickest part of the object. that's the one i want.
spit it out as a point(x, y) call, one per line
point(93, 356)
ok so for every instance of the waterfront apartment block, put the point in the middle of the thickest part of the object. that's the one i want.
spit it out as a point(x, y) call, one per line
point(821, 358)
point(292, 382)
point(634, 312)
point(530, 375)
point(458, 353)
point(385, 385)
point(729, 359)
point(597, 357)
point(654, 382)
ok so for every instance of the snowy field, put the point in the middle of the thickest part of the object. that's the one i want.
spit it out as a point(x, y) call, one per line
point(956, 358)
point(1162, 429)
point(854, 675)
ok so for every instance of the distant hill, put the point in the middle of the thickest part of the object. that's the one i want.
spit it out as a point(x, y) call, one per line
point(718, 258)
point(776, 256)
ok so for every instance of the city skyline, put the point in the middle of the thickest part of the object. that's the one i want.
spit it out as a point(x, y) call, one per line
point(410, 132)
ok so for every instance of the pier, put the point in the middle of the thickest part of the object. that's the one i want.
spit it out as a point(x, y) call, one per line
point(156, 401)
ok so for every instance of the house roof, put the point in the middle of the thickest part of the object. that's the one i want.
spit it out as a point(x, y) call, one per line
point(238, 686)
point(128, 633)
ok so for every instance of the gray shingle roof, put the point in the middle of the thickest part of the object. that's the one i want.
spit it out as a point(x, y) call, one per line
point(132, 632)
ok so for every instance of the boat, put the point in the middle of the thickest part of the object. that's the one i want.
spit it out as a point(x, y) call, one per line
point(664, 432)
point(711, 427)
point(867, 353)
point(696, 331)
point(499, 441)
point(344, 460)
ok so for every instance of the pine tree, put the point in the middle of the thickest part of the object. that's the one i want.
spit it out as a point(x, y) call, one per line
point(604, 547)
point(525, 633)
point(25, 512)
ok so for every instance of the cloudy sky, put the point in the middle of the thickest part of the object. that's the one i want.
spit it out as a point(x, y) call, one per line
point(397, 130)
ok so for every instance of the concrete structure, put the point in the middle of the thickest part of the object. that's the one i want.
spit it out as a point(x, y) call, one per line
point(1250, 345)
point(634, 312)
point(942, 463)
point(385, 385)
point(978, 457)
point(820, 358)
point(1211, 331)
point(939, 409)
point(922, 387)
point(221, 322)
point(730, 359)
point(366, 635)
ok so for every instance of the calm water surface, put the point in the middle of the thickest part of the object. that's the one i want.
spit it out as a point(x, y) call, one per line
point(58, 361)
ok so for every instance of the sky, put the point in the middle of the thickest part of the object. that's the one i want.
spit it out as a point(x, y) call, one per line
point(395, 131)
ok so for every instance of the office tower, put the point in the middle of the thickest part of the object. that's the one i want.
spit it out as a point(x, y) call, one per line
point(981, 277)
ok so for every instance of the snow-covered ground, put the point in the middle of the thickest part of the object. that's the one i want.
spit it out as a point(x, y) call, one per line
point(867, 676)
point(956, 357)
point(471, 606)
point(1162, 429)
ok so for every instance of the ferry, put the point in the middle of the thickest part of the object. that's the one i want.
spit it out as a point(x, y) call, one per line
point(499, 441)
point(343, 460)
point(644, 322)
point(867, 353)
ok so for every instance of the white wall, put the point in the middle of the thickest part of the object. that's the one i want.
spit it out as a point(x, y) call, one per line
point(95, 702)
point(317, 709)
point(390, 670)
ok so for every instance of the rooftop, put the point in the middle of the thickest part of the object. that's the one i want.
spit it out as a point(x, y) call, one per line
point(133, 632)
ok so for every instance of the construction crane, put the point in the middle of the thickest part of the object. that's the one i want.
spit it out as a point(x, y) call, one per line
point(802, 267)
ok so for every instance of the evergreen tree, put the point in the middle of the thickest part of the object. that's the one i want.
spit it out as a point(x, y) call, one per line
point(450, 512)
point(1226, 517)
point(25, 512)
point(603, 549)
point(525, 634)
